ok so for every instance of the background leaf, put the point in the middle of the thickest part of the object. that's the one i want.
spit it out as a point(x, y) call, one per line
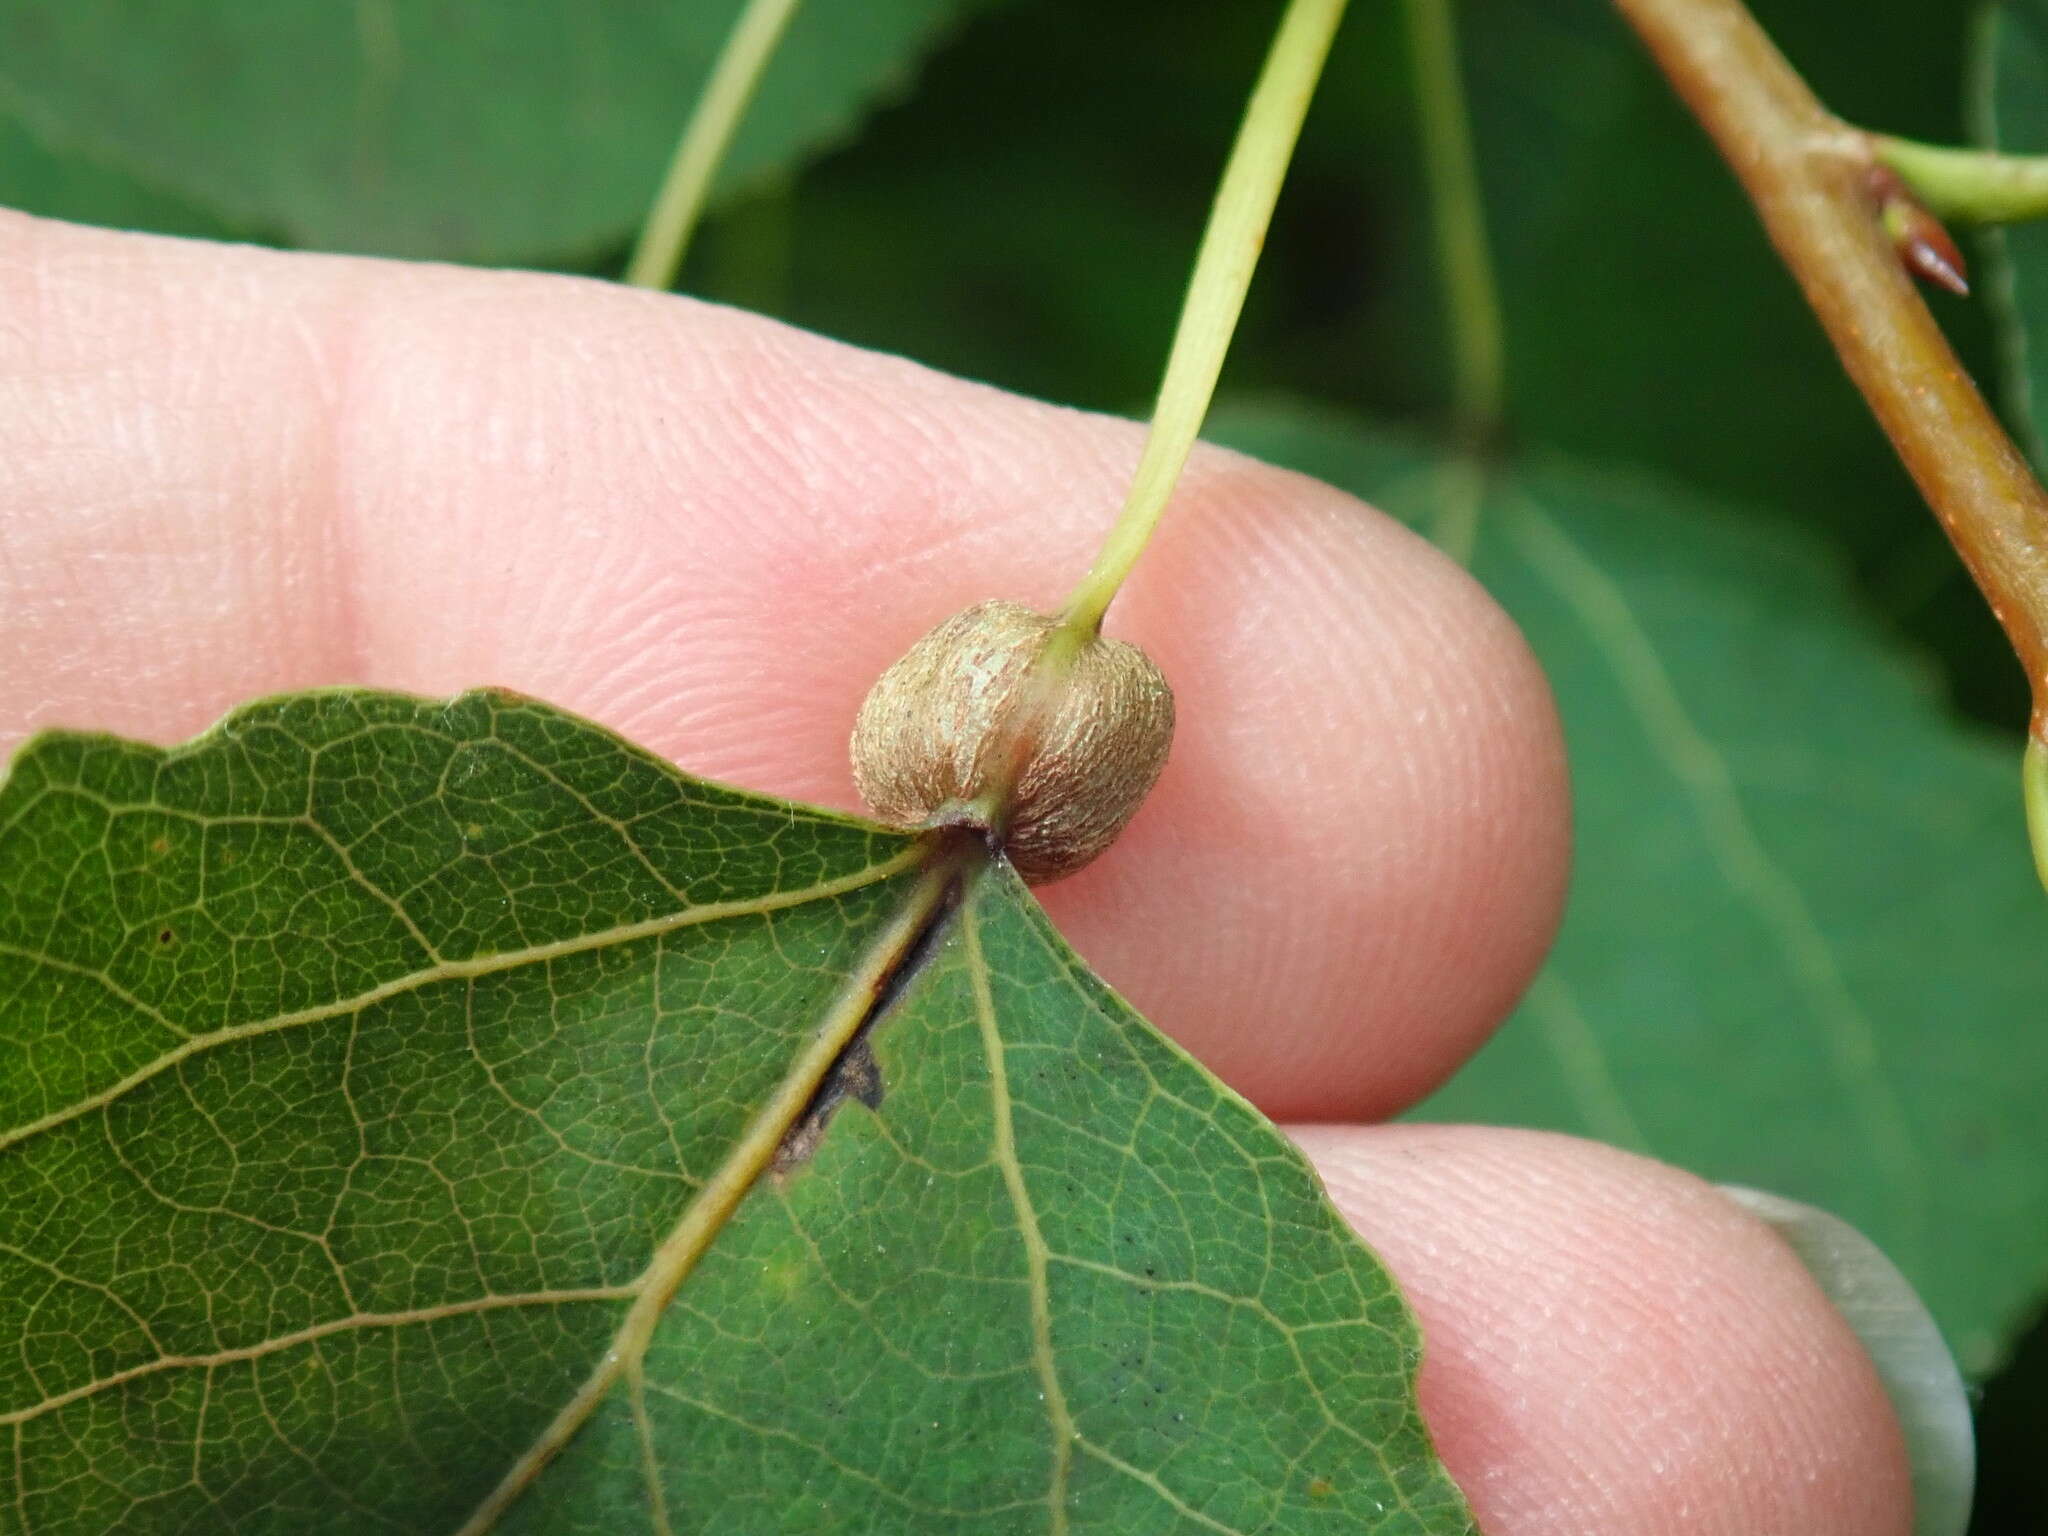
point(1628, 255)
point(373, 1071)
point(2009, 65)
point(70, 187)
point(1743, 985)
point(2013, 66)
point(524, 133)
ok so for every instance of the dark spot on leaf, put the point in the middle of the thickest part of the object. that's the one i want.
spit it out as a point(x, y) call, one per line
point(856, 1074)
point(165, 936)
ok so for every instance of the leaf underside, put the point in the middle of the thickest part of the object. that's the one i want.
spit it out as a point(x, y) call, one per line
point(392, 1094)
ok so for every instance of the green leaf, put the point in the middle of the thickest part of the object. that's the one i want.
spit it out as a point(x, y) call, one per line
point(519, 133)
point(34, 177)
point(1804, 944)
point(2012, 69)
point(428, 1116)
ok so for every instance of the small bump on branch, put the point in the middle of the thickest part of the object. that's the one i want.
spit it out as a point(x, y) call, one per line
point(1923, 244)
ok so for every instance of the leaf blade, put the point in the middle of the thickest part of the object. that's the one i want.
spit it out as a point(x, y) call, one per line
point(390, 1218)
point(993, 1334)
point(445, 1207)
point(533, 134)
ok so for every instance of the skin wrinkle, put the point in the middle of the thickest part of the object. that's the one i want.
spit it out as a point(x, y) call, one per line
point(626, 549)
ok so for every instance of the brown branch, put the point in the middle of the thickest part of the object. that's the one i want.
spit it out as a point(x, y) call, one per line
point(1809, 175)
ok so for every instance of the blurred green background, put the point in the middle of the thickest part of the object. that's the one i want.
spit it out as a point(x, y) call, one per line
point(1805, 949)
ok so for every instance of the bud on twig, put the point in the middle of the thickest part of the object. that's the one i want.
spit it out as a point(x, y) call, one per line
point(1917, 235)
point(989, 721)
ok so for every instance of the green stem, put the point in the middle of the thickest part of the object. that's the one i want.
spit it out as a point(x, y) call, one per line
point(1971, 186)
point(2034, 791)
point(1458, 218)
point(1216, 293)
point(658, 258)
point(1471, 293)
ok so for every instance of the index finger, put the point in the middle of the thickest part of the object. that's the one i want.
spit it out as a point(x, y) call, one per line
point(227, 472)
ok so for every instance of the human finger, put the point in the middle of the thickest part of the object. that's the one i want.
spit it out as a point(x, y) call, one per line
point(226, 472)
point(1611, 1345)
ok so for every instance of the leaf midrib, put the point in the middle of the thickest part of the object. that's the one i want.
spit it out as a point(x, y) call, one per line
point(706, 1213)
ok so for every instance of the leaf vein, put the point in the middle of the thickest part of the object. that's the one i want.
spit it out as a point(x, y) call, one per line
point(311, 1335)
point(1064, 1432)
point(455, 970)
point(1772, 894)
point(858, 1474)
point(1151, 1480)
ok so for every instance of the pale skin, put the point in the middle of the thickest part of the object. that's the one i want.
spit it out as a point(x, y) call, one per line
point(226, 472)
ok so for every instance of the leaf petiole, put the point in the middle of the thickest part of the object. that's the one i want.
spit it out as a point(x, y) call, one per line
point(658, 256)
point(2034, 792)
point(1471, 294)
point(1216, 292)
point(1971, 186)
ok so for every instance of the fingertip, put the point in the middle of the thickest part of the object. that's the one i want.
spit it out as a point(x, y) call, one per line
point(1612, 1345)
point(1357, 857)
